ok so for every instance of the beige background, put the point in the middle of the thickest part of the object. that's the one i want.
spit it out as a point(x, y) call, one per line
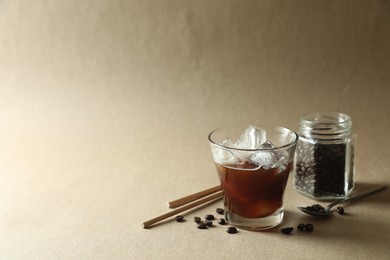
point(105, 108)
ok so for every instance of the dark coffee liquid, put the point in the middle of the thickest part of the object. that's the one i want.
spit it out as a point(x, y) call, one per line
point(252, 193)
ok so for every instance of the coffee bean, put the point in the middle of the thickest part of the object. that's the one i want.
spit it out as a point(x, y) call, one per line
point(202, 225)
point(197, 219)
point(287, 230)
point(222, 221)
point(209, 223)
point(220, 211)
point(231, 230)
point(310, 208)
point(318, 208)
point(301, 227)
point(179, 218)
point(320, 169)
point(209, 217)
point(309, 227)
point(340, 210)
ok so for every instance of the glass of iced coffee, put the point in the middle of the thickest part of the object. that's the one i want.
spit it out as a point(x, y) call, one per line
point(253, 165)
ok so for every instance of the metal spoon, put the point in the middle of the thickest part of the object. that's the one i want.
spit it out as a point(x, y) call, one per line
point(327, 212)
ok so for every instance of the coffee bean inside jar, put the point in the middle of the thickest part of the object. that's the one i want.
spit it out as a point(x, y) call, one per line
point(324, 166)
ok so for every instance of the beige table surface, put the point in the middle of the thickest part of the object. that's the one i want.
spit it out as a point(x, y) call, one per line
point(105, 108)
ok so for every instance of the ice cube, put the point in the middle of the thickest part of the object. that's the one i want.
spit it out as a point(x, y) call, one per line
point(266, 145)
point(281, 165)
point(223, 155)
point(251, 138)
point(267, 157)
point(227, 143)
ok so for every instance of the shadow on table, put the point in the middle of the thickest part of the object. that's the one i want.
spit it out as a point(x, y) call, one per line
point(368, 229)
point(381, 197)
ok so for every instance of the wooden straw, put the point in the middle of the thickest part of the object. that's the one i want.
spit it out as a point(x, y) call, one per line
point(182, 201)
point(152, 221)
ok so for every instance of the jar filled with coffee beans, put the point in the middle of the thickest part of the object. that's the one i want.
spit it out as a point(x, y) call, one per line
point(324, 159)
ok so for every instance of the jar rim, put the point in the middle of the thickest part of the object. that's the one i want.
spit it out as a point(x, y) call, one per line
point(333, 118)
point(326, 125)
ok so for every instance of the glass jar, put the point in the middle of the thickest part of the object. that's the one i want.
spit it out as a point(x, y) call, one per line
point(324, 159)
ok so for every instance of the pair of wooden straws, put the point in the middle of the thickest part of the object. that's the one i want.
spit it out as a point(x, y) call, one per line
point(188, 202)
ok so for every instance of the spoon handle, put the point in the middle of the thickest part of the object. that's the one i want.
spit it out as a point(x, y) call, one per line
point(358, 195)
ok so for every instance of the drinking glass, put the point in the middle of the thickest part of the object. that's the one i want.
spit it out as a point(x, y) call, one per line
point(253, 165)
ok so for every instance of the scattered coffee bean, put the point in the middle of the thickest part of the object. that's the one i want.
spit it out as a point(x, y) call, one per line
point(220, 211)
point(340, 210)
point(231, 230)
point(197, 219)
point(309, 227)
point(209, 223)
point(209, 217)
point(179, 218)
point(222, 221)
point(301, 227)
point(202, 225)
point(287, 230)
